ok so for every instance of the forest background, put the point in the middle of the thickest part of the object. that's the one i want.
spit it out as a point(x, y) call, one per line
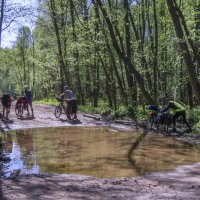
point(114, 54)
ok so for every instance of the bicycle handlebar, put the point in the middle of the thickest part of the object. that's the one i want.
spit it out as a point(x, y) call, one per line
point(59, 99)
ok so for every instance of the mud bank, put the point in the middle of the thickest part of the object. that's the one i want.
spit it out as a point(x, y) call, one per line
point(183, 183)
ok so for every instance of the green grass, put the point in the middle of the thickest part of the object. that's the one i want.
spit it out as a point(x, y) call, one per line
point(51, 102)
point(123, 112)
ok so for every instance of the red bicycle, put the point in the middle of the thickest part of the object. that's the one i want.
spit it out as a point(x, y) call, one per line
point(21, 106)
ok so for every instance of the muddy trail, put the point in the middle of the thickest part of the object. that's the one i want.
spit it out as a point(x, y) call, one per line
point(182, 183)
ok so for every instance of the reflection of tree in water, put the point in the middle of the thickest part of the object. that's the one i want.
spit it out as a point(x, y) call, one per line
point(25, 142)
point(8, 144)
point(133, 148)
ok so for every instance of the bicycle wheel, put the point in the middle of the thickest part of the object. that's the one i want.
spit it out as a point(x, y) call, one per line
point(19, 111)
point(167, 122)
point(58, 111)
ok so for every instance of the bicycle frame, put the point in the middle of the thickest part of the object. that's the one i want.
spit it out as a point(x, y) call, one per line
point(157, 120)
point(62, 108)
point(61, 104)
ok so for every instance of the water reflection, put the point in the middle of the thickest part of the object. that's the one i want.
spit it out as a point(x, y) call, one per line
point(133, 148)
point(94, 151)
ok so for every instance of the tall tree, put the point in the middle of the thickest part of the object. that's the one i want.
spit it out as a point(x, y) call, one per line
point(55, 19)
point(23, 44)
point(184, 48)
point(1, 18)
point(76, 54)
point(121, 55)
point(130, 77)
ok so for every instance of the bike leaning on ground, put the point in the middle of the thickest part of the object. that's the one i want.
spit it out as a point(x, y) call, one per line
point(21, 106)
point(158, 120)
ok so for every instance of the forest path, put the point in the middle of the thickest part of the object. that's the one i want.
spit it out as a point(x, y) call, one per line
point(44, 117)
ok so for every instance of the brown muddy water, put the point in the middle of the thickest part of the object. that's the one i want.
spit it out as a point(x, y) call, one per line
point(93, 151)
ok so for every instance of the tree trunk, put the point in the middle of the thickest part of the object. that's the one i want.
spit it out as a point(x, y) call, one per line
point(190, 95)
point(76, 56)
point(143, 60)
point(185, 50)
point(1, 19)
point(126, 60)
point(187, 36)
point(129, 52)
point(113, 62)
point(155, 51)
point(63, 75)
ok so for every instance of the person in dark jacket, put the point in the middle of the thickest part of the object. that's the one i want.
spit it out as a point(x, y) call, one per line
point(28, 95)
point(6, 102)
point(72, 105)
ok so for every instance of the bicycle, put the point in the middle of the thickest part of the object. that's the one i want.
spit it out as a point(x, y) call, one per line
point(166, 120)
point(62, 109)
point(153, 121)
point(20, 106)
point(159, 119)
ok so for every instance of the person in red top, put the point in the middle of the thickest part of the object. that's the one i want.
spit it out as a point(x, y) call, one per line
point(6, 102)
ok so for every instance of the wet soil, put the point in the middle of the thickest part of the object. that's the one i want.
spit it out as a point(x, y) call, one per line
point(182, 183)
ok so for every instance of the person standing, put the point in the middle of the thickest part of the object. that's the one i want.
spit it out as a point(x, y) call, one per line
point(6, 102)
point(71, 102)
point(28, 95)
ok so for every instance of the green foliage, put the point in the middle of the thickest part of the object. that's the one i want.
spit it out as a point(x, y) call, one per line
point(197, 125)
point(194, 117)
point(94, 110)
point(52, 102)
point(86, 56)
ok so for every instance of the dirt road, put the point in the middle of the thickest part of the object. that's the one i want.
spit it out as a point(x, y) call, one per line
point(183, 183)
point(44, 117)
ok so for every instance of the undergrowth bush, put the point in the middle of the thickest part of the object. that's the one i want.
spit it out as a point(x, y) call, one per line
point(193, 116)
point(52, 102)
point(123, 112)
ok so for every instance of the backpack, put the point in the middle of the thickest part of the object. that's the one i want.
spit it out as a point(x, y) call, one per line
point(5, 98)
point(28, 94)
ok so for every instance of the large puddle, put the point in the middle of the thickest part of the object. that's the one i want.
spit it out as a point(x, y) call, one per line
point(94, 151)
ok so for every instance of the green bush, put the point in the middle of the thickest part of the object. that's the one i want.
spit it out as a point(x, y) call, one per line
point(123, 112)
point(51, 102)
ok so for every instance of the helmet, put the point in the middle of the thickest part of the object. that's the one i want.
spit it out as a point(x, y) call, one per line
point(148, 107)
point(25, 86)
point(66, 87)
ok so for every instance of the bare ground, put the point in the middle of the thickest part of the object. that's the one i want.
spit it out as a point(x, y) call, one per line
point(182, 183)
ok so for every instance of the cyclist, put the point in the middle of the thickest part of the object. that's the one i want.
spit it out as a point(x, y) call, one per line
point(154, 110)
point(6, 102)
point(28, 95)
point(178, 110)
point(71, 102)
